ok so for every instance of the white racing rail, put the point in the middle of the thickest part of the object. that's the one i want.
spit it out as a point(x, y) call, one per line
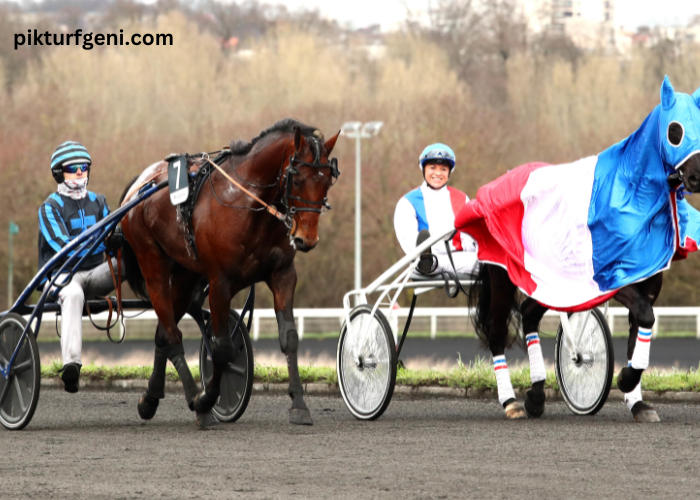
point(301, 316)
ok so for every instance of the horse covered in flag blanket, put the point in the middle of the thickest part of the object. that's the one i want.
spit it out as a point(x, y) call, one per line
point(574, 236)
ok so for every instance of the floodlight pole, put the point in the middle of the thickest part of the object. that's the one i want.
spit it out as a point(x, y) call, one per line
point(358, 211)
point(358, 131)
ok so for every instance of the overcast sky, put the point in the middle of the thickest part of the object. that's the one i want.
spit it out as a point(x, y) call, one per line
point(630, 13)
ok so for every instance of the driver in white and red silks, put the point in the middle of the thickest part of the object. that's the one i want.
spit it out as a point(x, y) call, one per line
point(431, 208)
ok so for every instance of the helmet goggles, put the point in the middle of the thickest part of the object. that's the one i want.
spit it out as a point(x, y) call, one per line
point(75, 168)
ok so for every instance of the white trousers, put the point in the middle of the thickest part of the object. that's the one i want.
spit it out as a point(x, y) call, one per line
point(465, 262)
point(85, 284)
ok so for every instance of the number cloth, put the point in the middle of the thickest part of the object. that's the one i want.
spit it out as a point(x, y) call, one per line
point(572, 235)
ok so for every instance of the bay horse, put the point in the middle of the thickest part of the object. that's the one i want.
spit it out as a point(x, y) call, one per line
point(573, 236)
point(237, 244)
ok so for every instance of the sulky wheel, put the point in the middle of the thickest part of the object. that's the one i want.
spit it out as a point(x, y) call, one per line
point(366, 363)
point(585, 374)
point(237, 381)
point(19, 393)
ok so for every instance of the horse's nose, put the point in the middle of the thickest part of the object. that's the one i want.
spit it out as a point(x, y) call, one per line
point(303, 245)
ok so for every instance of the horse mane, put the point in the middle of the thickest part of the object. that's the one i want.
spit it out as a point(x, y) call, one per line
point(287, 125)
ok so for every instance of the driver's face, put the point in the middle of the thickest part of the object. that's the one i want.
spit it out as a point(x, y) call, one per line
point(436, 175)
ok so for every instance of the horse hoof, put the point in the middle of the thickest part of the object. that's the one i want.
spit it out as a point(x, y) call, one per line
point(147, 407)
point(534, 408)
point(300, 417)
point(628, 379)
point(645, 414)
point(515, 411)
point(206, 421)
point(204, 402)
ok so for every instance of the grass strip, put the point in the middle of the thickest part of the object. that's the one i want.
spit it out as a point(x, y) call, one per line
point(476, 375)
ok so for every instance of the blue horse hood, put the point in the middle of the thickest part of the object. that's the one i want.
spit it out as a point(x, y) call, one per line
point(637, 221)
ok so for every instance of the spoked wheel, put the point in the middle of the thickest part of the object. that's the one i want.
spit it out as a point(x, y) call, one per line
point(19, 393)
point(237, 381)
point(585, 373)
point(366, 363)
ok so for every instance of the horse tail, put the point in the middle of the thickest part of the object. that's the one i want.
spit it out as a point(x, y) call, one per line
point(479, 299)
point(132, 269)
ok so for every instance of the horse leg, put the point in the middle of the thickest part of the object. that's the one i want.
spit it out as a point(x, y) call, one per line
point(532, 313)
point(170, 294)
point(640, 309)
point(148, 404)
point(282, 284)
point(502, 293)
point(183, 284)
point(220, 296)
point(641, 411)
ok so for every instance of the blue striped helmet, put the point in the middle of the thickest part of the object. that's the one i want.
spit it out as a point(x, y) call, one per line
point(438, 153)
point(68, 153)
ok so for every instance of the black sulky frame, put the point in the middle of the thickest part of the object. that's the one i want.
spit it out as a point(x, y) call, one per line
point(91, 239)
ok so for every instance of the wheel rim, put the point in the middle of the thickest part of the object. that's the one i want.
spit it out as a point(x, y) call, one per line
point(16, 391)
point(365, 364)
point(235, 379)
point(584, 373)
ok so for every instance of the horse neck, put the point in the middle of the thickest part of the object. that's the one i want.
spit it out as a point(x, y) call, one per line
point(261, 166)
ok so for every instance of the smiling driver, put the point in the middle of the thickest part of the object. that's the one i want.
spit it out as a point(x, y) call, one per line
point(431, 208)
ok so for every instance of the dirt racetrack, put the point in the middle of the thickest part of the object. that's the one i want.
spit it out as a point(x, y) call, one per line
point(93, 445)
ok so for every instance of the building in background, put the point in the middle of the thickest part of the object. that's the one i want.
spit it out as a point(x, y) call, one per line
point(590, 24)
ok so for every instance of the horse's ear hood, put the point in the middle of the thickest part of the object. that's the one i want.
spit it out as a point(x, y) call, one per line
point(668, 94)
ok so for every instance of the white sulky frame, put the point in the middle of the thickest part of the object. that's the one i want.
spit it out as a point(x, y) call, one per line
point(405, 268)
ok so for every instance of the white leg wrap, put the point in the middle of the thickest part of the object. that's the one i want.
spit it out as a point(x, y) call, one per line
point(71, 300)
point(640, 358)
point(534, 351)
point(632, 398)
point(505, 387)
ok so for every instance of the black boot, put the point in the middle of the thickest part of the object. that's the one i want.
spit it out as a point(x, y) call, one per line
point(70, 374)
point(427, 263)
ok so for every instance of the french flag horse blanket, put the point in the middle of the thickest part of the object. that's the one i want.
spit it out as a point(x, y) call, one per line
point(570, 236)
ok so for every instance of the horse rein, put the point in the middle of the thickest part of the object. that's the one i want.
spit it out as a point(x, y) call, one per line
point(288, 221)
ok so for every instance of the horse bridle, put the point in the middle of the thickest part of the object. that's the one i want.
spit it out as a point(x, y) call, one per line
point(287, 179)
point(289, 174)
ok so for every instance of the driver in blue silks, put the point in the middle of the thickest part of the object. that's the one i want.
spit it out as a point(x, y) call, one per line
point(65, 214)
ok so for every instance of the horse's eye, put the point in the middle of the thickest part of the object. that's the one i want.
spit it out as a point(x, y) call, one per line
point(675, 133)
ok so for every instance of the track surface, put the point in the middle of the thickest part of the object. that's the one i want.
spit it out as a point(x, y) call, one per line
point(92, 445)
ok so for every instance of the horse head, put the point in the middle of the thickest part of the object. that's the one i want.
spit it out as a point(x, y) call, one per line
point(679, 134)
point(309, 176)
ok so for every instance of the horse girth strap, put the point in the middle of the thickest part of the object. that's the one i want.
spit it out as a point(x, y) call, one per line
point(269, 208)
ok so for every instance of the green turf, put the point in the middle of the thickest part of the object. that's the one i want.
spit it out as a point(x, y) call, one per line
point(475, 375)
point(48, 338)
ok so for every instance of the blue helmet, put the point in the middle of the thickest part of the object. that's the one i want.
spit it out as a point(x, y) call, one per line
point(438, 153)
point(68, 153)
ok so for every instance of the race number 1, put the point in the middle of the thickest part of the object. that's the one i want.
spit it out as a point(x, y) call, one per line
point(177, 180)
